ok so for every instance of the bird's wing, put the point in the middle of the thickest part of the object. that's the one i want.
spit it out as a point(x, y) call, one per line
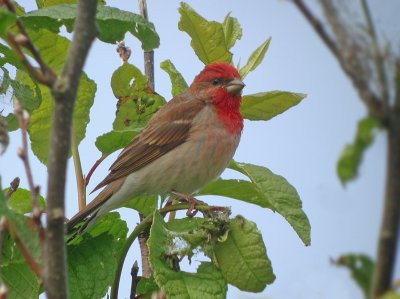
point(166, 130)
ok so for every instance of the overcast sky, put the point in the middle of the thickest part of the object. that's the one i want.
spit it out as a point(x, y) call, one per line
point(302, 144)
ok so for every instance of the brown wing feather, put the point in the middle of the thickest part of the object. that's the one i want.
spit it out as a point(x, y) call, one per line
point(167, 129)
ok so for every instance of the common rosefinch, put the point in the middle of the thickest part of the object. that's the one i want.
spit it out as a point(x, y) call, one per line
point(185, 145)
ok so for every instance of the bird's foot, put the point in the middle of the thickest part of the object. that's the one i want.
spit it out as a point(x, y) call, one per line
point(192, 201)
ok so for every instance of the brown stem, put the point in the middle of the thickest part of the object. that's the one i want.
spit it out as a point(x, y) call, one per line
point(24, 251)
point(95, 165)
point(149, 72)
point(64, 93)
point(366, 94)
point(23, 121)
point(389, 232)
point(134, 273)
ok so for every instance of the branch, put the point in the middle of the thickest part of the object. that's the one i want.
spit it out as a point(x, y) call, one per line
point(378, 57)
point(64, 93)
point(23, 120)
point(372, 102)
point(148, 56)
point(22, 40)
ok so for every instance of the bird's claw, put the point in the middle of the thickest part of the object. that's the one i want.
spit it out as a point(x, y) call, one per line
point(192, 201)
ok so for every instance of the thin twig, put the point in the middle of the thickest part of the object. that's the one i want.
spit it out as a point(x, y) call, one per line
point(24, 250)
point(366, 94)
point(134, 275)
point(23, 119)
point(149, 72)
point(80, 181)
point(377, 57)
point(95, 165)
point(47, 76)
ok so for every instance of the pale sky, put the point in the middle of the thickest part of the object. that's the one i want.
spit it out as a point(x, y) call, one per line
point(302, 145)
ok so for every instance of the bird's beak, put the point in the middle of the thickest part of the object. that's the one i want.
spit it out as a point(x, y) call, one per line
point(235, 86)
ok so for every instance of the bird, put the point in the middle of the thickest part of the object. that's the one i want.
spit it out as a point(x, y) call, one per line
point(186, 144)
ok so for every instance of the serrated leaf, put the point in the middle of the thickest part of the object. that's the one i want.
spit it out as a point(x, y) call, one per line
point(242, 257)
point(21, 201)
point(7, 19)
point(266, 105)
point(143, 204)
point(179, 84)
point(137, 103)
point(208, 39)
point(361, 267)
point(351, 156)
point(97, 251)
point(255, 59)
point(232, 30)
point(112, 23)
point(282, 197)
point(207, 282)
point(113, 141)
point(53, 49)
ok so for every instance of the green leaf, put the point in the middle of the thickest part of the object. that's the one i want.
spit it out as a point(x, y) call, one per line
point(207, 282)
point(47, 3)
point(146, 287)
point(20, 281)
point(8, 56)
point(144, 204)
point(5, 81)
point(352, 154)
point(12, 122)
point(361, 268)
point(232, 30)
point(14, 272)
point(137, 102)
point(282, 197)
point(92, 257)
point(238, 189)
point(21, 201)
point(53, 50)
point(242, 257)
point(255, 59)
point(391, 295)
point(113, 141)
point(26, 91)
point(179, 84)
point(112, 23)
point(266, 105)
point(7, 19)
point(208, 38)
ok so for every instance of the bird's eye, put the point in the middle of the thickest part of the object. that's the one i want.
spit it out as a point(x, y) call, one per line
point(216, 81)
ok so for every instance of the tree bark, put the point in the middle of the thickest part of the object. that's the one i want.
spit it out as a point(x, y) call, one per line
point(64, 93)
point(388, 238)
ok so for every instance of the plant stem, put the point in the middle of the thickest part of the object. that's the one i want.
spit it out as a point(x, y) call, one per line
point(389, 233)
point(80, 182)
point(64, 92)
